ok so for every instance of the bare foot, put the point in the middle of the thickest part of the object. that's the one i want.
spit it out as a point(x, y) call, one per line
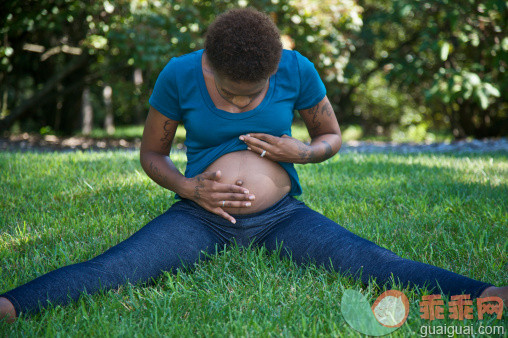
point(501, 292)
point(7, 311)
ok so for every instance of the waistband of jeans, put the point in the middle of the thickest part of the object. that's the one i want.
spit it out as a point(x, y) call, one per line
point(287, 201)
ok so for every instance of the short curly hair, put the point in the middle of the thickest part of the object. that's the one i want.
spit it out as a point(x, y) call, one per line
point(243, 45)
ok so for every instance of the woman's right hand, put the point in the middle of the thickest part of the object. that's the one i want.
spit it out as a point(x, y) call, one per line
point(212, 195)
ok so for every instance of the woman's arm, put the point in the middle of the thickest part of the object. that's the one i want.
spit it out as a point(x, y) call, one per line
point(154, 153)
point(324, 131)
point(203, 189)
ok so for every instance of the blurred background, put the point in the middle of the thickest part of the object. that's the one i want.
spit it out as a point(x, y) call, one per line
point(402, 70)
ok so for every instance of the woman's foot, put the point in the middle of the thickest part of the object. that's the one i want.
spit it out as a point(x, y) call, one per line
point(7, 311)
point(501, 292)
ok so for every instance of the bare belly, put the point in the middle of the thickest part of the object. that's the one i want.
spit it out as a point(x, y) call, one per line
point(266, 179)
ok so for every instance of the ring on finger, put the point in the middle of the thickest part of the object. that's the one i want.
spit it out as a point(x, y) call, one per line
point(263, 153)
point(223, 203)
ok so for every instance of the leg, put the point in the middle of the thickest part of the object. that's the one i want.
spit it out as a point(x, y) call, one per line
point(310, 236)
point(168, 242)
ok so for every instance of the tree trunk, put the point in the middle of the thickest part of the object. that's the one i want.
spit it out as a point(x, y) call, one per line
point(58, 108)
point(109, 122)
point(86, 112)
point(43, 95)
point(72, 101)
point(138, 81)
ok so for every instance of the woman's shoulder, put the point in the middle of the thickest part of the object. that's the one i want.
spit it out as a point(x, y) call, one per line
point(292, 57)
point(297, 73)
point(290, 67)
point(189, 57)
point(288, 57)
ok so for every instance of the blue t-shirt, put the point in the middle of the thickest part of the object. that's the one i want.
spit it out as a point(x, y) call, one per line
point(180, 94)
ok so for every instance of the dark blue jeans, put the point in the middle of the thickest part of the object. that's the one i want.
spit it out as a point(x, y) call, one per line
point(176, 238)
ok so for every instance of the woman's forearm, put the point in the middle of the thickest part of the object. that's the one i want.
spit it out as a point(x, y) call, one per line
point(163, 171)
point(323, 147)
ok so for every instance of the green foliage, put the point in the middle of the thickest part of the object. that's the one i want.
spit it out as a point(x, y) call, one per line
point(446, 56)
point(383, 107)
point(450, 55)
point(353, 132)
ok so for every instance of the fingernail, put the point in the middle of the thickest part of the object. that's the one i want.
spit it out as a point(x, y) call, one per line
point(248, 135)
point(248, 148)
point(246, 191)
point(251, 197)
point(241, 138)
point(233, 221)
point(247, 204)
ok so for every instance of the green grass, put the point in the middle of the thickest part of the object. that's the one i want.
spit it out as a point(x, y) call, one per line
point(62, 208)
point(125, 132)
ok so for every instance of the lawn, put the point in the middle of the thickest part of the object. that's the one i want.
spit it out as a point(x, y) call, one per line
point(449, 210)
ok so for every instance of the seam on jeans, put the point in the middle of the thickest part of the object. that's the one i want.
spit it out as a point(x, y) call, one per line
point(217, 233)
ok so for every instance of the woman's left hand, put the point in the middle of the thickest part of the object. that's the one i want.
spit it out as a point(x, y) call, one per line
point(279, 149)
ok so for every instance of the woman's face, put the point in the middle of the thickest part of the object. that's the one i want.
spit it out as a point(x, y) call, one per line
point(239, 94)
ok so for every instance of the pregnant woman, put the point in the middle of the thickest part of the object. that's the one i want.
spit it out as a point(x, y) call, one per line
point(236, 100)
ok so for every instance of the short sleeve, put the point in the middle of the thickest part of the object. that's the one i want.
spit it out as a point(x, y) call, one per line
point(312, 88)
point(164, 97)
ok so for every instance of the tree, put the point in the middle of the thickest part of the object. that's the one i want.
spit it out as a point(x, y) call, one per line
point(451, 55)
point(47, 56)
point(448, 58)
